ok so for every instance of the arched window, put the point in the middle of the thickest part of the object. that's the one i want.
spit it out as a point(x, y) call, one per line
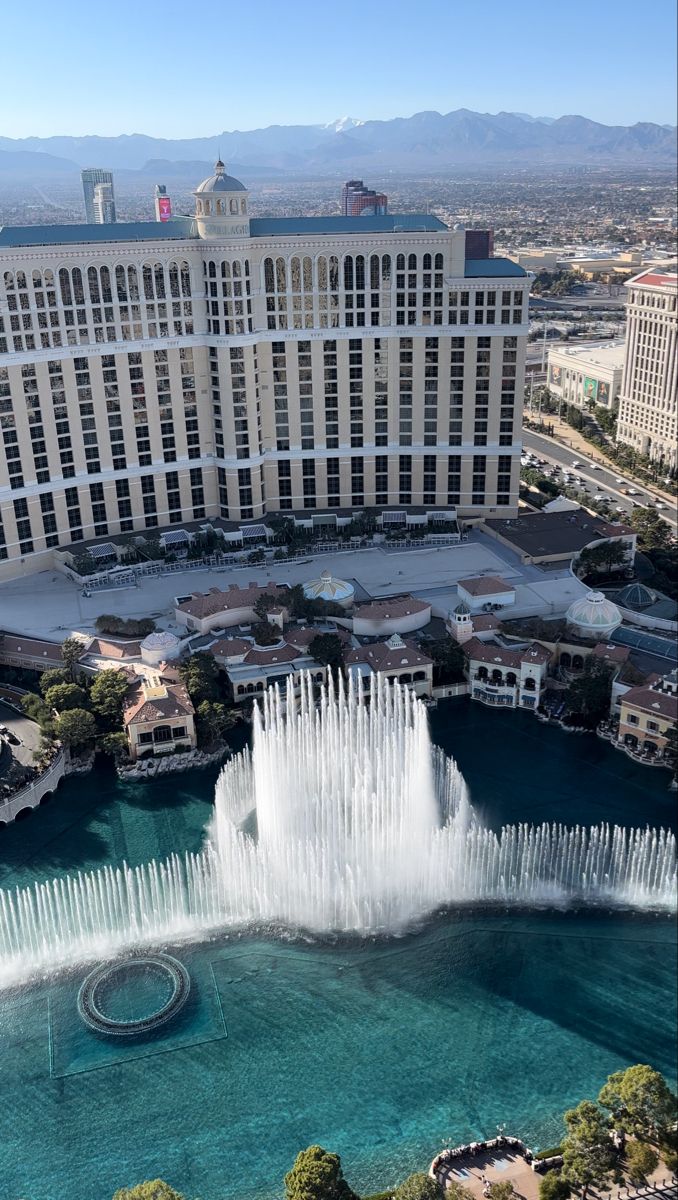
point(148, 282)
point(439, 262)
point(241, 690)
point(565, 660)
point(386, 270)
point(400, 262)
point(185, 278)
point(243, 208)
point(269, 278)
point(280, 275)
point(412, 262)
point(173, 272)
point(419, 676)
point(482, 672)
point(235, 267)
point(348, 273)
point(360, 272)
point(374, 272)
point(93, 285)
point(334, 273)
point(21, 279)
point(308, 275)
point(497, 676)
point(212, 269)
point(37, 279)
point(78, 290)
point(65, 286)
point(426, 263)
point(9, 281)
point(159, 275)
point(121, 284)
point(529, 684)
point(322, 273)
point(234, 207)
point(49, 279)
point(577, 662)
point(225, 270)
point(511, 679)
point(132, 283)
point(106, 293)
point(295, 275)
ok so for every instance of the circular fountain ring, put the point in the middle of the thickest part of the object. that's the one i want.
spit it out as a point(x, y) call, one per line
point(106, 980)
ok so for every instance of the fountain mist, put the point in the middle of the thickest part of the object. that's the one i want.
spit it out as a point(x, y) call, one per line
point(360, 826)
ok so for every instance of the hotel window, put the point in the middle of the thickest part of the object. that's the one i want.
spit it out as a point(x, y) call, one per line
point(333, 483)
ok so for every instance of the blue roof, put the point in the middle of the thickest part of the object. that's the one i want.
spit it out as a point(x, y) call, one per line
point(392, 223)
point(493, 268)
point(131, 231)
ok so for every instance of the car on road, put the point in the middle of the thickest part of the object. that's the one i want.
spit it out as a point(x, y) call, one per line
point(595, 466)
point(576, 463)
point(618, 480)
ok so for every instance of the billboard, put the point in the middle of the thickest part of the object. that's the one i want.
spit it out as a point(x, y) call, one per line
point(556, 375)
point(590, 388)
point(164, 208)
point(603, 392)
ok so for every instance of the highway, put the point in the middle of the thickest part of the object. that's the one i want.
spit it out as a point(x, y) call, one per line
point(602, 479)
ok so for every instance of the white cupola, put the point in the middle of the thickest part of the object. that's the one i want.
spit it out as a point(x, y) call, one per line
point(221, 208)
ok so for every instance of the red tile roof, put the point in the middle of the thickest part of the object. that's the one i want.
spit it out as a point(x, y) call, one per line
point(206, 604)
point(383, 657)
point(648, 700)
point(392, 606)
point(617, 654)
point(140, 710)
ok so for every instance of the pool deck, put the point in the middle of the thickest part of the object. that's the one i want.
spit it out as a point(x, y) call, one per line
point(509, 1166)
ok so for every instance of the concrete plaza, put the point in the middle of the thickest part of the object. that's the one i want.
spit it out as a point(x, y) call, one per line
point(49, 605)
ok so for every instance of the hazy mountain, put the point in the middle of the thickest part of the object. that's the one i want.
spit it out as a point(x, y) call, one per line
point(425, 141)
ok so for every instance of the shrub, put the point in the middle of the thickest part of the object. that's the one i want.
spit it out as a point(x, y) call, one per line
point(553, 1187)
point(641, 1161)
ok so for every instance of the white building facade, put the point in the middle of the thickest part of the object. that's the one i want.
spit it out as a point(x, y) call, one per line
point(222, 368)
point(585, 375)
point(648, 400)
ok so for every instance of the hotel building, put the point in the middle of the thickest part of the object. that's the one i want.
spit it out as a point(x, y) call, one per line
point(648, 399)
point(222, 368)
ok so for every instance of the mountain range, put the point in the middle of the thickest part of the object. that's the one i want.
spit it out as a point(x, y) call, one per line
point(427, 141)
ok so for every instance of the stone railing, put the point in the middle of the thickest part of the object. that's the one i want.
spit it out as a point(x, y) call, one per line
point(31, 795)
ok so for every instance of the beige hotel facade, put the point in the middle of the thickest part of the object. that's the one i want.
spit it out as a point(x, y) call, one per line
point(218, 368)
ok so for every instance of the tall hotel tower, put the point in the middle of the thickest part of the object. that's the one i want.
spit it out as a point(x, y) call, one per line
point(220, 368)
point(648, 399)
point(91, 178)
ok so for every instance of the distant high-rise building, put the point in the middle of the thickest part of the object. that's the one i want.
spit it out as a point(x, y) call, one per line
point(648, 399)
point(91, 176)
point(359, 201)
point(104, 204)
point(163, 204)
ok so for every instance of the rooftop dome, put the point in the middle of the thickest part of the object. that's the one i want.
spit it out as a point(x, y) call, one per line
point(220, 182)
point(327, 588)
point(158, 647)
point(594, 614)
point(462, 609)
point(636, 595)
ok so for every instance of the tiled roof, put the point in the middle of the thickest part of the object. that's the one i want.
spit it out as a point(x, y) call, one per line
point(142, 711)
point(648, 700)
point(303, 635)
point(485, 585)
point(267, 656)
point(118, 650)
point(229, 647)
point(394, 606)
point(205, 604)
point(484, 621)
point(617, 654)
point(496, 655)
point(15, 646)
point(385, 657)
point(655, 279)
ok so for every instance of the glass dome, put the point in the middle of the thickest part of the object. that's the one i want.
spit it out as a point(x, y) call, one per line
point(636, 595)
point(594, 614)
point(328, 588)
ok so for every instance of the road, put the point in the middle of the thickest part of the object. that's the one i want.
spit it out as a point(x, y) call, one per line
point(604, 480)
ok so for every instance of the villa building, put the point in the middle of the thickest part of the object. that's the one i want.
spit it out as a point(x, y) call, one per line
point(158, 717)
point(647, 713)
point(204, 611)
point(511, 677)
point(485, 592)
point(397, 660)
point(160, 374)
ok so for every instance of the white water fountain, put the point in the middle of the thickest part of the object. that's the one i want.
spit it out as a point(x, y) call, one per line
point(360, 826)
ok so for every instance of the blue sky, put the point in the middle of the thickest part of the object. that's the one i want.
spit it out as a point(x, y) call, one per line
point(183, 70)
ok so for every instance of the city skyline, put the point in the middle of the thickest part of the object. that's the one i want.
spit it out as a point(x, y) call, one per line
point(409, 74)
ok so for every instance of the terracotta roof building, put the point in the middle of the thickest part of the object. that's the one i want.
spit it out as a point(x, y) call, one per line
point(397, 660)
point(508, 676)
point(204, 611)
point(395, 614)
point(647, 713)
point(158, 717)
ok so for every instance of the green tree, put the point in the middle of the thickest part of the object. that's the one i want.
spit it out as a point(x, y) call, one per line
point(266, 601)
point(448, 660)
point(419, 1187)
point(552, 1186)
point(107, 695)
point(501, 1190)
point(602, 558)
point(75, 728)
point(51, 678)
point(457, 1191)
point(36, 709)
point(213, 720)
point(589, 694)
point(328, 650)
point(65, 695)
point(317, 1175)
point(640, 1101)
point(114, 744)
point(153, 1189)
point(641, 1161)
point(587, 1148)
point(671, 748)
point(201, 677)
point(265, 633)
point(653, 532)
point(72, 651)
